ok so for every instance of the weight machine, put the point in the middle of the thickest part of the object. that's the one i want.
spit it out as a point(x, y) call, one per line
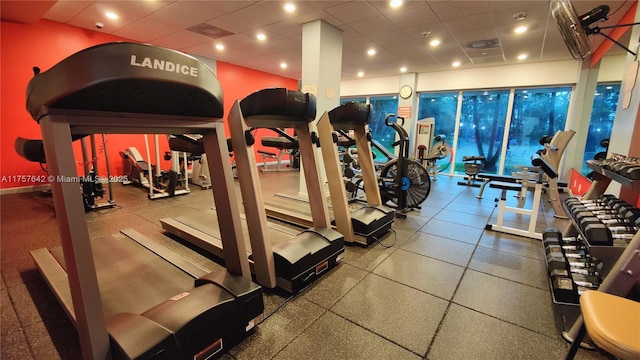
point(161, 184)
point(91, 183)
point(431, 148)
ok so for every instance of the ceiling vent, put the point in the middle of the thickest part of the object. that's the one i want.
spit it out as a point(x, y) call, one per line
point(483, 44)
point(485, 52)
point(209, 31)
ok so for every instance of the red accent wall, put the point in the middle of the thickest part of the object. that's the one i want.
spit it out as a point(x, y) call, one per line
point(578, 184)
point(44, 44)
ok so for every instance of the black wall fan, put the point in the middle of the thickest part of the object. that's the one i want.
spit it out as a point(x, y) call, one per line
point(576, 28)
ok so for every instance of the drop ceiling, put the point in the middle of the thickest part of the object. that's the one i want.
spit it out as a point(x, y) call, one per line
point(476, 33)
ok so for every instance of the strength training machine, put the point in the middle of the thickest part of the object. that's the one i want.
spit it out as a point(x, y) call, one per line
point(161, 184)
point(431, 148)
point(286, 145)
point(136, 299)
point(91, 184)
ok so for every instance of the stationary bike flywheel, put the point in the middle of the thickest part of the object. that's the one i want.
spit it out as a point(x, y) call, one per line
point(416, 182)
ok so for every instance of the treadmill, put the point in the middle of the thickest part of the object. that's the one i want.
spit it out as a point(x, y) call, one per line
point(366, 224)
point(279, 259)
point(137, 299)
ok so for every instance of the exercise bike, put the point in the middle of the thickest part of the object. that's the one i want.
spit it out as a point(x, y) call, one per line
point(404, 183)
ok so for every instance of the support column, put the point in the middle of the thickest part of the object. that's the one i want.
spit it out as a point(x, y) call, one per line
point(407, 108)
point(321, 71)
point(579, 117)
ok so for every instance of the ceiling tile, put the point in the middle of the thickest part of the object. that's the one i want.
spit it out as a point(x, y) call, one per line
point(412, 17)
point(146, 30)
point(456, 9)
point(185, 14)
point(471, 22)
point(352, 11)
point(65, 10)
point(373, 26)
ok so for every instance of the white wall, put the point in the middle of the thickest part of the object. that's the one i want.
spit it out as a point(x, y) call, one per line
point(505, 76)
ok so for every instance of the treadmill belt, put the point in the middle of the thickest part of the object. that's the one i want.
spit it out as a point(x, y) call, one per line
point(207, 223)
point(129, 275)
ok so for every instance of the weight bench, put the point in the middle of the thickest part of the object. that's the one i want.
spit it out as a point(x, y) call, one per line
point(530, 232)
point(286, 145)
point(525, 176)
point(472, 166)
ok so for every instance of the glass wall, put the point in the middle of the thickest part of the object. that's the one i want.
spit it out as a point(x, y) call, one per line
point(537, 112)
point(443, 107)
point(479, 128)
point(533, 113)
point(381, 106)
point(482, 121)
point(602, 115)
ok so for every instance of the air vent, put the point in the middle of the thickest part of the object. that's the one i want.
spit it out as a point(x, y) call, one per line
point(209, 31)
point(483, 44)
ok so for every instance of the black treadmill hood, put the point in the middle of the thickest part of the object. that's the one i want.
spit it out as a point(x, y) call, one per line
point(128, 77)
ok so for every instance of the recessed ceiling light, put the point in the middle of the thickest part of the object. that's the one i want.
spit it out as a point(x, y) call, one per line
point(219, 46)
point(522, 56)
point(395, 3)
point(403, 69)
point(283, 65)
point(520, 29)
point(261, 37)
point(371, 52)
point(111, 15)
point(455, 63)
point(434, 42)
point(289, 7)
point(360, 73)
point(609, 87)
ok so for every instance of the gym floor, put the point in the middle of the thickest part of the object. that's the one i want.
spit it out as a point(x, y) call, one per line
point(441, 287)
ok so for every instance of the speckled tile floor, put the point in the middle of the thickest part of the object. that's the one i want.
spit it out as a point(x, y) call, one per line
point(446, 288)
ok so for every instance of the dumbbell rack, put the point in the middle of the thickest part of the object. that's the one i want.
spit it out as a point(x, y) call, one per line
point(614, 264)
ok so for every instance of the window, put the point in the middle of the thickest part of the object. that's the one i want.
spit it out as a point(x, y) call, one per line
point(443, 108)
point(482, 121)
point(381, 106)
point(355, 99)
point(602, 115)
point(536, 112)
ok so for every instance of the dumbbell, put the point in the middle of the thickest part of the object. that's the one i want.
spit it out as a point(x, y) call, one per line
point(591, 271)
point(628, 217)
point(563, 288)
point(576, 253)
point(630, 171)
point(603, 201)
point(588, 281)
point(619, 207)
point(607, 203)
point(551, 236)
point(600, 234)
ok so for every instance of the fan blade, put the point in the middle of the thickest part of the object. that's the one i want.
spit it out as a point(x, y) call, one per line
point(571, 29)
